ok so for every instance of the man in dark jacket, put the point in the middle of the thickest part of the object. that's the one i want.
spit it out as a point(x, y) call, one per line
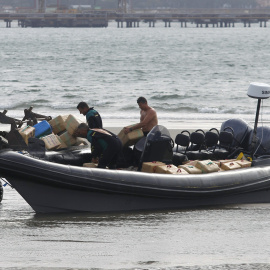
point(104, 145)
point(93, 118)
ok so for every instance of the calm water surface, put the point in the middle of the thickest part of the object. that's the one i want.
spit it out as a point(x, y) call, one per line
point(236, 237)
point(187, 74)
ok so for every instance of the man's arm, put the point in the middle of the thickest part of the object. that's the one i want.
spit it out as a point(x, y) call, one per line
point(96, 149)
point(149, 116)
point(90, 122)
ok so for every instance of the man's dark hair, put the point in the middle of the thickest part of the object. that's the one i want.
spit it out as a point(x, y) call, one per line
point(82, 105)
point(141, 100)
point(82, 126)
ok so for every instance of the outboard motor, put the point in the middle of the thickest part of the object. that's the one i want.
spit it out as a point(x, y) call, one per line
point(158, 146)
point(262, 146)
point(241, 132)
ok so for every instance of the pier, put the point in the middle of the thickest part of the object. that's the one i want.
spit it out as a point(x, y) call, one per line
point(102, 18)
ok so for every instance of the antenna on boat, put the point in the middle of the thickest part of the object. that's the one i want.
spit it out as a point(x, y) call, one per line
point(259, 91)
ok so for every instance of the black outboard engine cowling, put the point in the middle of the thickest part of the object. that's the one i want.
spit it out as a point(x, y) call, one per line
point(158, 146)
point(262, 146)
point(241, 131)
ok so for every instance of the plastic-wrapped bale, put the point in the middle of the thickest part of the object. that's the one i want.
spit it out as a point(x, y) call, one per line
point(180, 171)
point(221, 162)
point(27, 132)
point(151, 167)
point(244, 163)
point(170, 169)
point(191, 162)
point(131, 138)
point(231, 165)
point(207, 166)
point(72, 123)
point(58, 123)
point(51, 142)
point(90, 165)
point(166, 169)
point(190, 169)
point(42, 129)
point(68, 139)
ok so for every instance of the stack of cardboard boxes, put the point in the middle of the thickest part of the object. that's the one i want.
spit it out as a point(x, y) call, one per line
point(56, 134)
point(64, 127)
point(195, 167)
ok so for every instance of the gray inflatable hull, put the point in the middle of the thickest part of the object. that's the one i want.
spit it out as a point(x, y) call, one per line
point(53, 188)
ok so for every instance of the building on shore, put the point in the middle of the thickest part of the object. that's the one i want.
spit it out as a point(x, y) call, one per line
point(263, 3)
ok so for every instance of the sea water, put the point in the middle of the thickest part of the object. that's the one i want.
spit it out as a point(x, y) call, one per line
point(186, 74)
point(190, 76)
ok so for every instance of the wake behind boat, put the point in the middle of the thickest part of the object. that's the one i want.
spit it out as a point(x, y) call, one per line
point(49, 184)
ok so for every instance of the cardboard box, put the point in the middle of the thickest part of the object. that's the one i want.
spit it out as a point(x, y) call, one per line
point(180, 171)
point(72, 123)
point(231, 165)
point(217, 162)
point(68, 139)
point(151, 167)
point(221, 162)
point(244, 163)
point(191, 162)
point(131, 138)
point(207, 166)
point(58, 123)
point(169, 169)
point(51, 142)
point(190, 169)
point(27, 132)
point(62, 145)
point(90, 165)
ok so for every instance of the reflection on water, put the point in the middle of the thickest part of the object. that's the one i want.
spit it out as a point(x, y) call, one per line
point(235, 237)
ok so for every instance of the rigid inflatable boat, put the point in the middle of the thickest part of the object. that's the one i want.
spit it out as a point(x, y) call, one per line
point(56, 182)
point(49, 184)
point(51, 187)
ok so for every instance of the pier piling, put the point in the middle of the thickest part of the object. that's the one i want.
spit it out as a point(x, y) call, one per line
point(101, 18)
